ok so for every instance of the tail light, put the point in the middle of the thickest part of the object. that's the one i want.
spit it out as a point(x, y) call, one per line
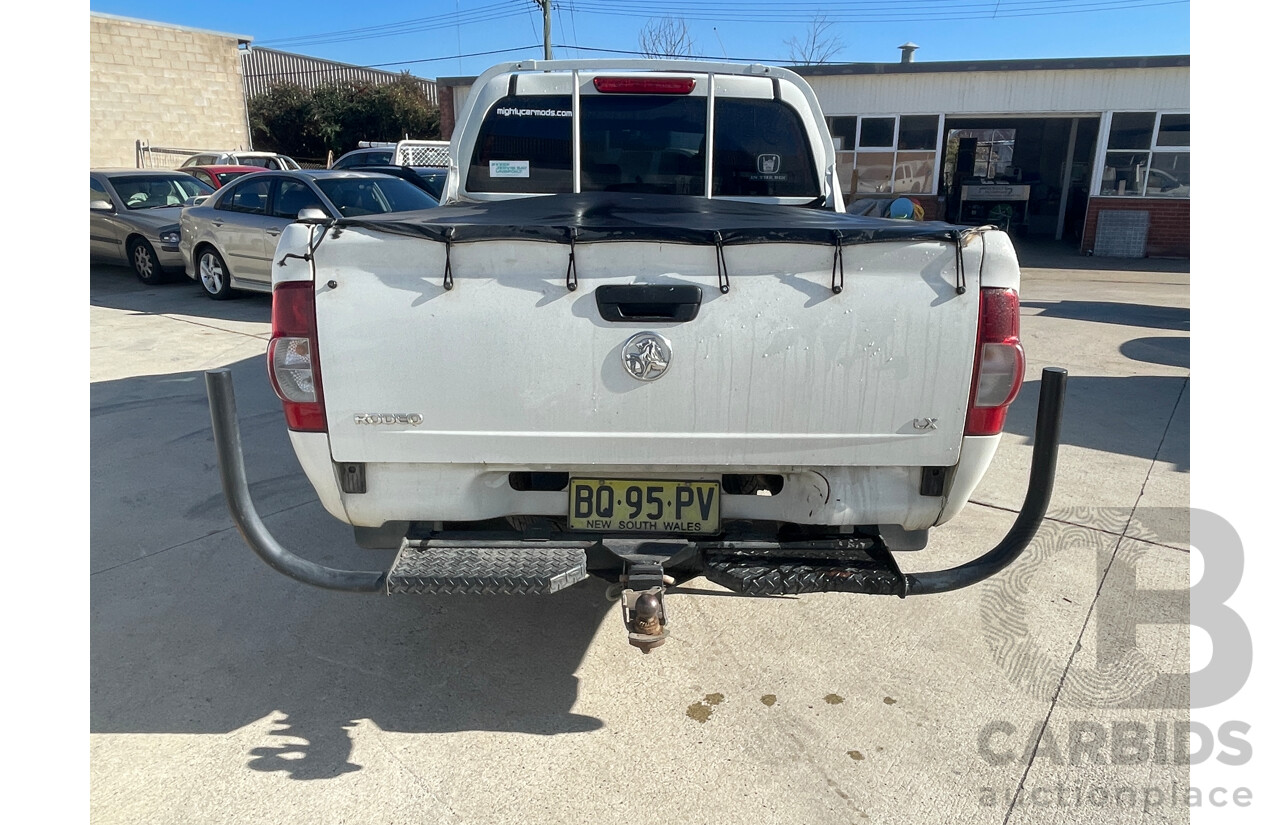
point(998, 363)
point(291, 356)
point(645, 85)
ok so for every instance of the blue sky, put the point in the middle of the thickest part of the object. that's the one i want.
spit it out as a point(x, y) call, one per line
point(464, 37)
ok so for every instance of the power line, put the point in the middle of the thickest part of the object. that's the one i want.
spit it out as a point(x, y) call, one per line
point(379, 66)
point(721, 58)
point(481, 14)
point(560, 15)
point(533, 27)
point(739, 11)
point(573, 21)
point(456, 56)
point(765, 11)
point(836, 7)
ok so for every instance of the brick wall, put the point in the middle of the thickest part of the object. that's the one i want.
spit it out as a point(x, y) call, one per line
point(447, 121)
point(930, 204)
point(168, 86)
point(1169, 230)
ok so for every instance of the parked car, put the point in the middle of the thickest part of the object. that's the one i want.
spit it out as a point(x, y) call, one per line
point(430, 179)
point(263, 160)
point(1161, 183)
point(375, 156)
point(217, 176)
point(133, 218)
point(228, 241)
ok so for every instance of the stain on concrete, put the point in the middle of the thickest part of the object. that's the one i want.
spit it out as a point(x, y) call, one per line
point(700, 712)
point(856, 756)
point(833, 699)
point(889, 700)
point(769, 700)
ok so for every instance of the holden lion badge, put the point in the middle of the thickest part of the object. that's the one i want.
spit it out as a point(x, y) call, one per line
point(646, 355)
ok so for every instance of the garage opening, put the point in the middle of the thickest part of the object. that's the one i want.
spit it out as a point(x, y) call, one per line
point(1029, 175)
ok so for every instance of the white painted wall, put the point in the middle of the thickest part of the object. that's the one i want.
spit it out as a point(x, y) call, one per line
point(1040, 92)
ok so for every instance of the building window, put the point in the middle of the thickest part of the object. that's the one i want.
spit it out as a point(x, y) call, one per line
point(1148, 155)
point(882, 155)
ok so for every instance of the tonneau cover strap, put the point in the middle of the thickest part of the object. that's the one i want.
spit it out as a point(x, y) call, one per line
point(722, 267)
point(837, 284)
point(571, 274)
point(448, 261)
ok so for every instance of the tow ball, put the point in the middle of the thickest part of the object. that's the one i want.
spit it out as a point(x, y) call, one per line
point(643, 611)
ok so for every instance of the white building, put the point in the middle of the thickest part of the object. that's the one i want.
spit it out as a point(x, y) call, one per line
point(1093, 150)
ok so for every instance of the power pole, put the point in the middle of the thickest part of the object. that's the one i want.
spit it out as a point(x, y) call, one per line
point(546, 27)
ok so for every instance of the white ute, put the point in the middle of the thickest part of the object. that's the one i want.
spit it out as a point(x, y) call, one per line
point(642, 339)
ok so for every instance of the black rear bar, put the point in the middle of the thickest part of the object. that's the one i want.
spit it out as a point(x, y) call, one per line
point(1044, 459)
point(1044, 463)
point(235, 486)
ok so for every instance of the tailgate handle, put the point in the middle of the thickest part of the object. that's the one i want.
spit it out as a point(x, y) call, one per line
point(643, 302)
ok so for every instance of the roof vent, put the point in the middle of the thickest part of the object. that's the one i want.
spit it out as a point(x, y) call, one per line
point(908, 52)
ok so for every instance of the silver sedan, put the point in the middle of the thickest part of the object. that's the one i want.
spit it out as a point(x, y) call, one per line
point(133, 218)
point(228, 241)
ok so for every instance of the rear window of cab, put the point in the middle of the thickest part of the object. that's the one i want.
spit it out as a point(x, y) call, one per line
point(643, 143)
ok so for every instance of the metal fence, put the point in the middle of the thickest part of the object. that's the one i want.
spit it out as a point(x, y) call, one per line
point(160, 157)
point(167, 157)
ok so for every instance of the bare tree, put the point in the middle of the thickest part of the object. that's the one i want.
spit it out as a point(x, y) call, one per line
point(666, 37)
point(820, 43)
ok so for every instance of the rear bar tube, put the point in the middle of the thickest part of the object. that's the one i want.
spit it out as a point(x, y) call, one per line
point(1044, 462)
point(235, 486)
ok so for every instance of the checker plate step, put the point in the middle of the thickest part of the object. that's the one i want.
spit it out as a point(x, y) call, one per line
point(870, 571)
point(422, 568)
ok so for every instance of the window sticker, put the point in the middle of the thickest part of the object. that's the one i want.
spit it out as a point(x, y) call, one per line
point(508, 168)
point(768, 168)
point(510, 111)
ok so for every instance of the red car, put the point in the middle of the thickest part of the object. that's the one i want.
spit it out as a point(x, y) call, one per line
point(217, 176)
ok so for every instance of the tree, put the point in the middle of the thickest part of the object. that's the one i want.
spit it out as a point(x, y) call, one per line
point(666, 37)
point(820, 43)
point(308, 124)
point(281, 119)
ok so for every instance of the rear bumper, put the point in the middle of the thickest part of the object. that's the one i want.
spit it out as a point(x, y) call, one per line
point(749, 567)
point(831, 496)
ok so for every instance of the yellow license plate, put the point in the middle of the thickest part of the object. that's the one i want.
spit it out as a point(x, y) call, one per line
point(644, 506)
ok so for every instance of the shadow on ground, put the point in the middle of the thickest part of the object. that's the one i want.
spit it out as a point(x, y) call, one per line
point(1046, 253)
point(1113, 312)
point(116, 287)
point(1115, 415)
point(191, 633)
point(1168, 352)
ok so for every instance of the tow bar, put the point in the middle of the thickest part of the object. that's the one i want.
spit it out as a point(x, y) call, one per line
point(644, 612)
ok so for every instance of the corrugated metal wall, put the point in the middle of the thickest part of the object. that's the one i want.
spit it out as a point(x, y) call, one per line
point(264, 68)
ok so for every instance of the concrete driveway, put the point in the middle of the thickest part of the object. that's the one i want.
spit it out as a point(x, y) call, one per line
point(224, 692)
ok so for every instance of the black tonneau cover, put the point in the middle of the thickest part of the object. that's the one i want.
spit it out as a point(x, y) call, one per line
point(618, 216)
